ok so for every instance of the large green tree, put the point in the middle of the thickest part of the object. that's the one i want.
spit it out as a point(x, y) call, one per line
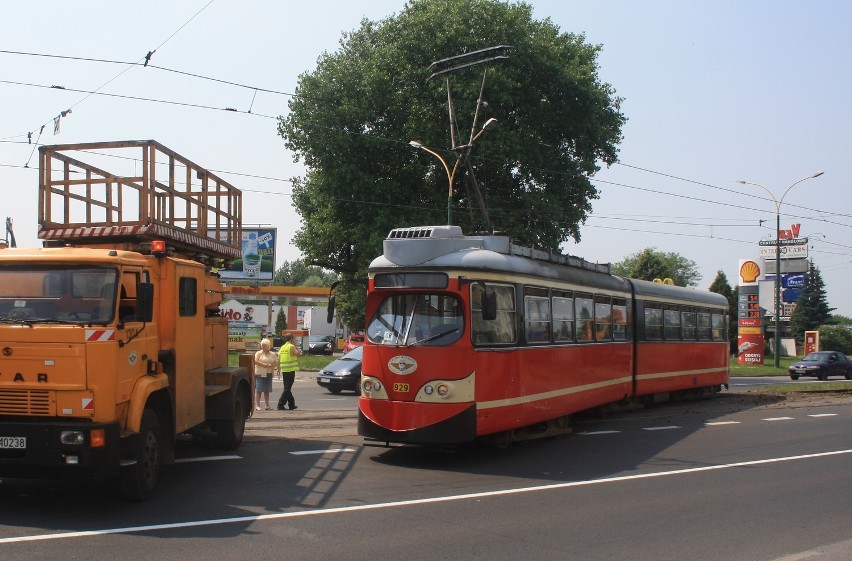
point(352, 118)
point(300, 273)
point(650, 264)
point(812, 309)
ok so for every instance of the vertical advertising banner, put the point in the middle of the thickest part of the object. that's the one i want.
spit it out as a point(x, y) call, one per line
point(750, 348)
point(750, 315)
point(257, 260)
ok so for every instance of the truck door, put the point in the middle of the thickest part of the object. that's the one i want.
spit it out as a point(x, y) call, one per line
point(189, 347)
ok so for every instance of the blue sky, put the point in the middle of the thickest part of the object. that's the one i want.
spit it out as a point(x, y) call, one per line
point(714, 92)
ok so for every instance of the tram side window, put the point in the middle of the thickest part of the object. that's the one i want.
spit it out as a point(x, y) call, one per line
point(563, 317)
point(703, 326)
point(500, 330)
point(717, 324)
point(619, 319)
point(584, 308)
point(603, 318)
point(688, 322)
point(653, 323)
point(536, 315)
point(671, 324)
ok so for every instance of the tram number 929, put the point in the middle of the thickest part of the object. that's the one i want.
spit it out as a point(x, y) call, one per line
point(398, 387)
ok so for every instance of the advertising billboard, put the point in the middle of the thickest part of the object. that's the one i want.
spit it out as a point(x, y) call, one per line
point(257, 261)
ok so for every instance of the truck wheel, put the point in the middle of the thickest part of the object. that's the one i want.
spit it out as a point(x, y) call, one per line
point(229, 433)
point(139, 480)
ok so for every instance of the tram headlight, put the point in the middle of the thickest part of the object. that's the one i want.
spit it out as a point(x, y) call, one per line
point(443, 390)
point(428, 390)
point(372, 385)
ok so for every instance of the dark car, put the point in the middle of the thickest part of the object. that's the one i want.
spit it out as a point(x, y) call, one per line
point(343, 374)
point(822, 364)
point(320, 344)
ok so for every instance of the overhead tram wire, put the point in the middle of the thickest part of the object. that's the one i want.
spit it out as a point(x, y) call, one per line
point(436, 209)
point(146, 58)
point(732, 191)
point(138, 98)
point(152, 66)
point(379, 138)
point(266, 90)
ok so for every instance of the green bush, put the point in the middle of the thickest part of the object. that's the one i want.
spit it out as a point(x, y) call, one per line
point(835, 338)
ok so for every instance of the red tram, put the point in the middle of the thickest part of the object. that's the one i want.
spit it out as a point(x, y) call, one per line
point(473, 336)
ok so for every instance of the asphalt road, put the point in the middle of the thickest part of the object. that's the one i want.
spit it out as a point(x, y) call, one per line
point(734, 478)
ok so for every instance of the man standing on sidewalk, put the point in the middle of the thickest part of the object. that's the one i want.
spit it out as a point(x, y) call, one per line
point(288, 364)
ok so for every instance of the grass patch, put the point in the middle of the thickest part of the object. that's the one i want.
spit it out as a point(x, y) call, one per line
point(765, 369)
point(844, 387)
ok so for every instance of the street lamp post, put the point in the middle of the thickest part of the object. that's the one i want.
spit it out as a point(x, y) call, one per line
point(462, 151)
point(778, 202)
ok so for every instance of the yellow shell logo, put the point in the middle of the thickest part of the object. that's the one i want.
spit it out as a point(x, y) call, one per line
point(749, 271)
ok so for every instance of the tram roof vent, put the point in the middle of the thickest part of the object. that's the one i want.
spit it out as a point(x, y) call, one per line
point(558, 258)
point(426, 232)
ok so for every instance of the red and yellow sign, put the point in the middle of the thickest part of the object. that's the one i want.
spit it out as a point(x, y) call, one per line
point(750, 348)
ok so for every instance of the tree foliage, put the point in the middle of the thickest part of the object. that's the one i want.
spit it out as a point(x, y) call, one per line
point(835, 338)
point(650, 264)
point(300, 273)
point(352, 118)
point(840, 319)
point(812, 309)
point(280, 321)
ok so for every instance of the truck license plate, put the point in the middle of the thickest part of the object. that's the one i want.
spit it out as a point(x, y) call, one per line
point(13, 442)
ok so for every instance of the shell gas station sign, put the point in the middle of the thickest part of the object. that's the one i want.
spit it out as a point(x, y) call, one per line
point(750, 345)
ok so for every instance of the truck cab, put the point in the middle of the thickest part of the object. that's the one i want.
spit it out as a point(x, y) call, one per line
point(110, 341)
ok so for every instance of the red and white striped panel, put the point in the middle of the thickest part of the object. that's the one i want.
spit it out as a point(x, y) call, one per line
point(100, 335)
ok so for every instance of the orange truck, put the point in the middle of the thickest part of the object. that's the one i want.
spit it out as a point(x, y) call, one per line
point(111, 343)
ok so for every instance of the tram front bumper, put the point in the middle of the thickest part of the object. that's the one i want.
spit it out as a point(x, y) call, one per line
point(417, 423)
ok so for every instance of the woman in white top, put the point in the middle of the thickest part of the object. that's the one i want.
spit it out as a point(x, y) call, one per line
point(265, 366)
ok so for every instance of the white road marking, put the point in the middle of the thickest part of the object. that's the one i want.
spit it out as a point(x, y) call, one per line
point(589, 433)
point(667, 427)
point(720, 423)
point(824, 415)
point(771, 419)
point(413, 502)
point(207, 459)
point(329, 451)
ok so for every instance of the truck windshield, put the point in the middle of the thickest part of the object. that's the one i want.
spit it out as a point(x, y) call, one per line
point(417, 319)
point(30, 294)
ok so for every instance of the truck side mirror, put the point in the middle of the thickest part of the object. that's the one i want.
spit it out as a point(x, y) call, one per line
point(145, 301)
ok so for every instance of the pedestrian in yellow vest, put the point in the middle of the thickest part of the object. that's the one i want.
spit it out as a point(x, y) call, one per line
point(288, 364)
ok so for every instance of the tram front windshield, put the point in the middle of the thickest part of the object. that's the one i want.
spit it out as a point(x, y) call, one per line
point(417, 319)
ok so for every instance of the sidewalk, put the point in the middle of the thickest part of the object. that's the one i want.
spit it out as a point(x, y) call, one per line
point(300, 423)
